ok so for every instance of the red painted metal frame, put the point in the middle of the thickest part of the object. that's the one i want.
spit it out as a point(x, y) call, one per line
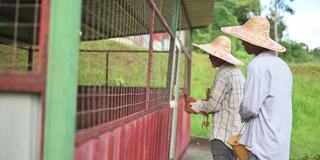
point(164, 22)
point(141, 129)
point(32, 82)
point(149, 74)
point(18, 81)
point(135, 140)
point(160, 16)
point(43, 55)
point(143, 137)
point(21, 82)
point(85, 135)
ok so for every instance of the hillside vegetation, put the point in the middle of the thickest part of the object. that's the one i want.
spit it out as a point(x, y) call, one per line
point(306, 101)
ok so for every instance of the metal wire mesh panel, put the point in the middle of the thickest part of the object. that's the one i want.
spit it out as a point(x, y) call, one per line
point(19, 27)
point(109, 18)
point(114, 60)
point(183, 48)
point(166, 7)
point(159, 93)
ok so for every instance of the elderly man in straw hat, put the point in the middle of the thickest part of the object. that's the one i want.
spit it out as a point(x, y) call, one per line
point(267, 104)
point(225, 97)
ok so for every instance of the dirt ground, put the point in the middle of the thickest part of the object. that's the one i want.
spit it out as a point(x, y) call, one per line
point(199, 149)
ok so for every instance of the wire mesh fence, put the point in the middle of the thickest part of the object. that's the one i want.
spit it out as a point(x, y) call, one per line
point(125, 54)
point(19, 29)
point(124, 61)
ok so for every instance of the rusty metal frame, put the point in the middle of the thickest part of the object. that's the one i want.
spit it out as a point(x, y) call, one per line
point(32, 81)
point(85, 135)
point(149, 73)
point(24, 81)
point(163, 21)
point(160, 16)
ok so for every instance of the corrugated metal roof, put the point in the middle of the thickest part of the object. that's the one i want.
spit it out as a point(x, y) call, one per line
point(200, 12)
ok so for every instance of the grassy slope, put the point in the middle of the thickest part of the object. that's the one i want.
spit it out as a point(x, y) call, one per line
point(306, 114)
point(15, 59)
point(92, 70)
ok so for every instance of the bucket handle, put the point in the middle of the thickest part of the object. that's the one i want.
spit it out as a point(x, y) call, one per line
point(238, 138)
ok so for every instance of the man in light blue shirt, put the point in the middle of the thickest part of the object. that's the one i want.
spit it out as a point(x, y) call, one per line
point(267, 103)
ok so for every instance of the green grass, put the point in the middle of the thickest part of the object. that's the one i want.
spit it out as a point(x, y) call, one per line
point(15, 58)
point(305, 141)
point(124, 68)
point(306, 112)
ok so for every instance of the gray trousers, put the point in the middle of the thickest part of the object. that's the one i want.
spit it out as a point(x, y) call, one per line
point(252, 156)
point(221, 151)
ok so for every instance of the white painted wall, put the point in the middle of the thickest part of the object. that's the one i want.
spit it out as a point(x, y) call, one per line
point(19, 126)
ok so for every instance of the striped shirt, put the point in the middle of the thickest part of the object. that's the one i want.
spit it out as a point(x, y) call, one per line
point(225, 98)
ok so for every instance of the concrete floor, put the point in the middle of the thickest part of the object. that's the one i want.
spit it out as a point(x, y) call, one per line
point(199, 149)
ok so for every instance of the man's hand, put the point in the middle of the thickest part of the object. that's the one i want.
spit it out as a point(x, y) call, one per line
point(187, 107)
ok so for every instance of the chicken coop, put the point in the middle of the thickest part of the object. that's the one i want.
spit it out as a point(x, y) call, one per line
point(96, 79)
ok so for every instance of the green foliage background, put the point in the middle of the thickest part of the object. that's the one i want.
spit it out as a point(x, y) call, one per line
point(303, 61)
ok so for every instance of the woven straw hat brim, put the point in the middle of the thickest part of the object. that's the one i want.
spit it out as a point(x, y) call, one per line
point(228, 57)
point(245, 35)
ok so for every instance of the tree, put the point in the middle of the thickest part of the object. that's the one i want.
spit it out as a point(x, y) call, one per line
point(246, 9)
point(276, 7)
point(297, 52)
point(281, 27)
point(227, 13)
point(316, 53)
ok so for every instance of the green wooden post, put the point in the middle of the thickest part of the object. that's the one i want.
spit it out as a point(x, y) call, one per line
point(62, 74)
point(173, 142)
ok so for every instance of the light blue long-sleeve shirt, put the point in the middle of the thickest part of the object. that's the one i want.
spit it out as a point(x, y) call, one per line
point(267, 107)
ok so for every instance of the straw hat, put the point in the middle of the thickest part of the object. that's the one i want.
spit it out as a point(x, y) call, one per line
point(221, 48)
point(255, 31)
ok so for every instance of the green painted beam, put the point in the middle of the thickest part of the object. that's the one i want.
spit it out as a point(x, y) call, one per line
point(62, 74)
point(173, 142)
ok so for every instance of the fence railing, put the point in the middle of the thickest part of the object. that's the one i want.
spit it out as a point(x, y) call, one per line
point(125, 60)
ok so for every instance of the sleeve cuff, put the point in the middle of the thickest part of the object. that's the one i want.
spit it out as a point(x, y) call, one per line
point(196, 106)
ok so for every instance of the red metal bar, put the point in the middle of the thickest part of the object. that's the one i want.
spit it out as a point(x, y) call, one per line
point(158, 135)
point(43, 54)
point(15, 81)
point(96, 149)
point(144, 138)
point(122, 144)
point(149, 74)
point(130, 135)
point(148, 136)
point(141, 134)
point(94, 131)
point(152, 135)
point(160, 16)
point(110, 146)
point(111, 114)
point(117, 144)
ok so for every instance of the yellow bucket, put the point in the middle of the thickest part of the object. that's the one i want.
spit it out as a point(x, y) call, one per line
point(240, 150)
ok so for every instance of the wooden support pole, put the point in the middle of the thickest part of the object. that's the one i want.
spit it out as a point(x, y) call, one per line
point(62, 76)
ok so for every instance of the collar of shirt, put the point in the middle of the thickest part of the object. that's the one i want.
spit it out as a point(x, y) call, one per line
point(267, 53)
point(225, 65)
